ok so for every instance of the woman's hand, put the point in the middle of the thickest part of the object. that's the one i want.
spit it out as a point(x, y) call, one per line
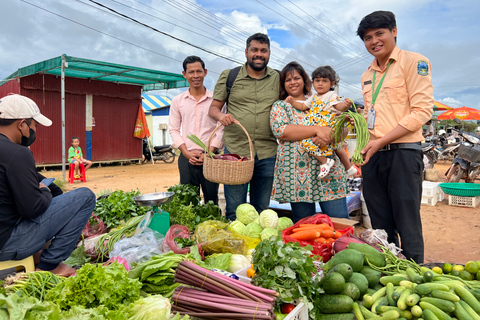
point(323, 136)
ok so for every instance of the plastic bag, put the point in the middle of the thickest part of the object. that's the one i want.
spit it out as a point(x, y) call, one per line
point(321, 249)
point(178, 231)
point(94, 227)
point(139, 248)
point(90, 244)
point(379, 236)
point(215, 237)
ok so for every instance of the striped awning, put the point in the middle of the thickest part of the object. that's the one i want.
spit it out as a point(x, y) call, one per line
point(151, 102)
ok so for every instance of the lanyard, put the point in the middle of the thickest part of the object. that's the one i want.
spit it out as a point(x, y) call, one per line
point(375, 92)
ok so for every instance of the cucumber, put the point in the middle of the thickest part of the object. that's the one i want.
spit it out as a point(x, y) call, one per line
point(344, 269)
point(461, 313)
point(397, 293)
point(351, 257)
point(414, 276)
point(372, 255)
point(468, 297)
point(357, 312)
point(337, 316)
point(351, 290)
point(379, 302)
point(403, 313)
point(429, 315)
point(440, 314)
point(369, 300)
point(450, 296)
point(334, 303)
point(402, 301)
point(413, 299)
point(389, 292)
point(476, 293)
point(332, 282)
point(416, 311)
point(367, 314)
point(393, 279)
point(425, 288)
point(388, 315)
point(445, 305)
point(469, 310)
point(428, 276)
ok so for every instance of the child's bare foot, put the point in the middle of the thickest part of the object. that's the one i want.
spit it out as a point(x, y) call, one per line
point(61, 270)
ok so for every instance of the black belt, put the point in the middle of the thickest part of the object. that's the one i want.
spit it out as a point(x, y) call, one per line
point(395, 146)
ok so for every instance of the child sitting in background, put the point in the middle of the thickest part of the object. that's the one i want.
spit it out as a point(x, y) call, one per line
point(324, 106)
point(75, 156)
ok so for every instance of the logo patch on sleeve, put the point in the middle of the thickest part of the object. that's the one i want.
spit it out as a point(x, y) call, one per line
point(422, 68)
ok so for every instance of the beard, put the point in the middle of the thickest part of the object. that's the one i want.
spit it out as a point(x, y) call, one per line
point(257, 67)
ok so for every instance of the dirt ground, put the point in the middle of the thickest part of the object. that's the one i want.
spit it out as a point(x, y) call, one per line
point(451, 233)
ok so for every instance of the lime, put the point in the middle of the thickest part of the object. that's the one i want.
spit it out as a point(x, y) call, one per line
point(447, 268)
point(455, 273)
point(458, 267)
point(472, 267)
point(478, 264)
point(465, 275)
point(437, 270)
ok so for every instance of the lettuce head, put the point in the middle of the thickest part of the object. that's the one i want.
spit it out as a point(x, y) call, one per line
point(267, 233)
point(268, 219)
point(246, 213)
point(284, 223)
point(253, 230)
point(237, 226)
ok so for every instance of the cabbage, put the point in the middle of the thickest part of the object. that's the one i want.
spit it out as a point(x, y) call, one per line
point(237, 262)
point(237, 226)
point(253, 230)
point(152, 307)
point(267, 233)
point(284, 223)
point(246, 213)
point(268, 219)
point(256, 220)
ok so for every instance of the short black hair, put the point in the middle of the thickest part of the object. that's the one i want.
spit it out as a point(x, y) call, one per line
point(283, 75)
point(260, 37)
point(73, 138)
point(7, 122)
point(326, 72)
point(376, 20)
point(192, 59)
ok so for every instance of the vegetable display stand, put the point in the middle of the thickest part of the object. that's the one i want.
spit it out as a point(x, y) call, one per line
point(471, 202)
point(160, 219)
point(226, 171)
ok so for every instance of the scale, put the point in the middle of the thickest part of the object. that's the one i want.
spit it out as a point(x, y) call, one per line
point(157, 219)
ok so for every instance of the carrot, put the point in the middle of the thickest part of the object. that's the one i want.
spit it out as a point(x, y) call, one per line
point(306, 235)
point(311, 228)
point(310, 225)
point(328, 233)
point(329, 240)
point(337, 234)
point(320, 240)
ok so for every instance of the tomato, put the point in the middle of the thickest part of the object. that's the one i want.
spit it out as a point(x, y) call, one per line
point(287, 308)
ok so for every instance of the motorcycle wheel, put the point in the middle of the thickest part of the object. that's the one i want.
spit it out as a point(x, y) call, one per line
point(428, 161)
point(169, 157)
point(455, 173)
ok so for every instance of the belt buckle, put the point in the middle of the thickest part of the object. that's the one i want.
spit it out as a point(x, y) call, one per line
point(386, 148)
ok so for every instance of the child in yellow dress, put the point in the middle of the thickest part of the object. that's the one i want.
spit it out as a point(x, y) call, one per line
point(323, 106)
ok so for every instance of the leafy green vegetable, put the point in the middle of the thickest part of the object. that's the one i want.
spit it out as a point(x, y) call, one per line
point(286, 268)
point(237, 226)
point(152, 307)
point(183, 242)
point(118, 206)
point(268, 219)
point(98, 313)
point(253, 230)
point(246, 213)
point(78, 257)
point(17, 306)
point(284, 223)
point(33, 284)
point(95, 285)
point(237, 262)
point(267, 233)
point(217, 261)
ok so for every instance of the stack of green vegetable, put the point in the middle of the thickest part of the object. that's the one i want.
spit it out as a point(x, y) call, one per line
point(361, 128)
point(157, 274)
point(187, 210)
point(258, 226)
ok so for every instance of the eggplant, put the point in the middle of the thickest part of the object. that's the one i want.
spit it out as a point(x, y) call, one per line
point(229, 156)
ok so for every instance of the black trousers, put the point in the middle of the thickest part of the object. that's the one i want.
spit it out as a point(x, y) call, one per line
point(190, 174)
point(392, 186)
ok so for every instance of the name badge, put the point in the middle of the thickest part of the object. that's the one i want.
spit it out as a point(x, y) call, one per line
point(371, 119)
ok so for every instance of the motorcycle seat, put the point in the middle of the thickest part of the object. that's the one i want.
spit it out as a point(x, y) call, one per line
point(161, 148)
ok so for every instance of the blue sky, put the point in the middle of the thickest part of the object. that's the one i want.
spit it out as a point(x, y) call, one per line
point(446, 32)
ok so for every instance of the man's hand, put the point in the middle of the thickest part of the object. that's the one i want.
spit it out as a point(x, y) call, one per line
point(41, 185)
point(227, 119)
point(370, 149)
point(194, 157)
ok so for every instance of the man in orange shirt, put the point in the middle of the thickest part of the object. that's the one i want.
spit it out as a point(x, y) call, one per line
point(398, 94)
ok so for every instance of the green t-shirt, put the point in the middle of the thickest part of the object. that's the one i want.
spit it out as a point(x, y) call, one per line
point(250, 102)
point(72, 152)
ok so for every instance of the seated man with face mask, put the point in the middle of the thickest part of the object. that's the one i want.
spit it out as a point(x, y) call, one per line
point(29, 215)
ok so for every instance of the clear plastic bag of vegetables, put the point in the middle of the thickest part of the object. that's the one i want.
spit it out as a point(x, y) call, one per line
point(322, 249)
point(215, 237)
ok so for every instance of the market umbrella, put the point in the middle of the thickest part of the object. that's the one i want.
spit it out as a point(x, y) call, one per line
point(462, 113)
point(438, 106)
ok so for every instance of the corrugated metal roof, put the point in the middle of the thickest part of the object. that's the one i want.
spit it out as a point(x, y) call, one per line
point(98, 70)
point(151, 102)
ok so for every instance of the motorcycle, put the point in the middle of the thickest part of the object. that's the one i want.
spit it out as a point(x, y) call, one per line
point(164, 153)
point(466, 164)
point(429, 157)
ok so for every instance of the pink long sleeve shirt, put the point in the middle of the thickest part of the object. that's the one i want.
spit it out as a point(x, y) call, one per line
point(189, 116)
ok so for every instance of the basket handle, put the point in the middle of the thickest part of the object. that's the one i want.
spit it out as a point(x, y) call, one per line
point(244, 130)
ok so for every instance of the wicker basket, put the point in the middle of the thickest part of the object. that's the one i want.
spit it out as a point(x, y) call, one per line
point(228, 172)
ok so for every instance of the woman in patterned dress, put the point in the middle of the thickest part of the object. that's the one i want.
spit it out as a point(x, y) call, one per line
point(296, 173)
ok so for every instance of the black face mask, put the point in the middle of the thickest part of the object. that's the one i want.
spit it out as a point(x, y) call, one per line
point(28, 141)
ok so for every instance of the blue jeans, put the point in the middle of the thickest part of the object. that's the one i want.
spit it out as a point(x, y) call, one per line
point(62, 223)
point(260, 188)
point(334, 208)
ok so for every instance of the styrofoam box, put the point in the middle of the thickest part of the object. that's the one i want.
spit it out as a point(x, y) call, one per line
point(299, 313)
point(471, 202)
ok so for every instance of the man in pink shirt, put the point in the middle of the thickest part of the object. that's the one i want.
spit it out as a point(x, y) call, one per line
point(189, 115)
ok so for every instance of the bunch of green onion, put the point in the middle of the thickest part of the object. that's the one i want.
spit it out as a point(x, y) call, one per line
point(199, 143)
